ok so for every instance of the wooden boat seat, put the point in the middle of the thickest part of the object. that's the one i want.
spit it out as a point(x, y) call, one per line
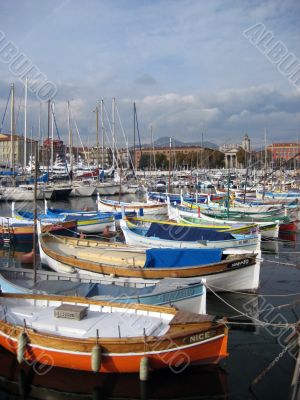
point(105, 256)
point(113, 258)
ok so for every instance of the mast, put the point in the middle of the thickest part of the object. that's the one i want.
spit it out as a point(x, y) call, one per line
point(48, 138)
point(12, 130)
point(113, 129)
point(134, 155)
point(40, 133)
point(35, 212)
point(52, 135)
point(169, 185)
point(154, 159)
point(70, 142)
point(102, 132)
point(25, 124)
point(97, 136)
point(31, 142)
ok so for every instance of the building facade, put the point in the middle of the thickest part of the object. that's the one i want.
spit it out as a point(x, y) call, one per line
point(59, 150)
point(284, 151)
point(165, 151)
point(231, 153)
point(15, 144)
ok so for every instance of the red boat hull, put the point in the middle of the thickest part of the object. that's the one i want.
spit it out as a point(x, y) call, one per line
point(288, 227)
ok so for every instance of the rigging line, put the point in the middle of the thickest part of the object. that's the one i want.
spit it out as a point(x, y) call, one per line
point(255, 294)
point(125, 138)
point(58, 135)
point(18, 112)
point(282, 263)
point(138, 131)
point(87, 158)
point(115, 141)
point(5, 110)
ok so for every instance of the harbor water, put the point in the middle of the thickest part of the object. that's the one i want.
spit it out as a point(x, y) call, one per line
point(258, 367)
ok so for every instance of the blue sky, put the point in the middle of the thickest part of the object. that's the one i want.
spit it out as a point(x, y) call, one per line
point(186, 63)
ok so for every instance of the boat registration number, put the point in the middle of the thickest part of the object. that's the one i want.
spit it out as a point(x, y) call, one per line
point(200, 336)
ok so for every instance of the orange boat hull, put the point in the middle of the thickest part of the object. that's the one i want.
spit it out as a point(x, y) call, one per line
point(205, 352)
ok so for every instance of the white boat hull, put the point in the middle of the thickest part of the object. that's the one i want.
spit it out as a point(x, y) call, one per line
point(147, 210)
point(108, 189)
point(179, 215)
point(82, 191)
point(133, 239)
point(246, 278)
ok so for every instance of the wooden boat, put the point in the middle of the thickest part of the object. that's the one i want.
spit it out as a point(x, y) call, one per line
point(233, 228)
point(267, 227)
point(149, 208)
point(85, 223)
point(283, 222)
point(17, 231)
point(255, 212)
point(183, 215)
point(289, 195)
point(45, 382)
point(157, 236)
point(63, 213)
point(197, 197)
point(231, 269)
point(184, 294)
point(110, 337)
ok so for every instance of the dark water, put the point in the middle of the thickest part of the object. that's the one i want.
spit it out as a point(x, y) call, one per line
point(252, 348)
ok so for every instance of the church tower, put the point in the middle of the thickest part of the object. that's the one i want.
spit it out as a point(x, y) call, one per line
point(246, 143)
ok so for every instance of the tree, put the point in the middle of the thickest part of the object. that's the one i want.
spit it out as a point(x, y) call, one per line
point(161, 161)
point(145, 161)
point(241, 157)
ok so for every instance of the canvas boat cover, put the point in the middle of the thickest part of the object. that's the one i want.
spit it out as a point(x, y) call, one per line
point(176, 258)
point(185, 233)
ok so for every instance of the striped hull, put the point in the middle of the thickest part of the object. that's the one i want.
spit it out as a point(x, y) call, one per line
point(95, 225)
point(24, 234)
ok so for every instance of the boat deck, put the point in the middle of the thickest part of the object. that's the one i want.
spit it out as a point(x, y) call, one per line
point(109, 324)
point(107, 256)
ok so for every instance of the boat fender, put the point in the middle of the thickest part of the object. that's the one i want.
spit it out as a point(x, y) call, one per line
point(96, 358)
point(22, 343)
point(144, 369)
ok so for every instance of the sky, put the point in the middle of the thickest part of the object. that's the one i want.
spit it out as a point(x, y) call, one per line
point(186, 64)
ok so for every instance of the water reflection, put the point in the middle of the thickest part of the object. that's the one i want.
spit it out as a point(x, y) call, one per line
point(193, 383)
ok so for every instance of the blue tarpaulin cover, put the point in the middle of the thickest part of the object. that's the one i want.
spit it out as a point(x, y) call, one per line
point(171, 258)
point(185, 233)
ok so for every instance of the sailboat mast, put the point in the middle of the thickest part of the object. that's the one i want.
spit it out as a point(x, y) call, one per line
point(70, 142)
point(134, 166)
point(97, 135)
point(12, 129)
point(52, 135)
point(169, 185)
point(40, 132)
point(102, 133)
point(48, 138)
point(25, 124)
point(113, 129)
